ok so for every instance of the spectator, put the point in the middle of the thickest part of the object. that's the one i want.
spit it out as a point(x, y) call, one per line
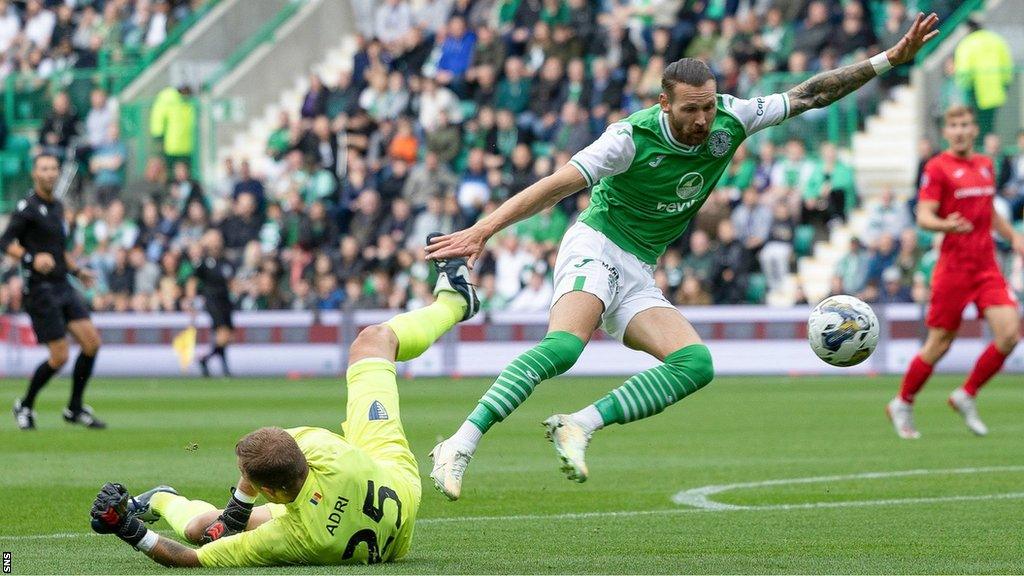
point(815, 31)
point(314, 103)
point(473, 192)
point(535, 296)
point(172, 121)
point(984, 68)
point(778, 249)
point(106, 165)
point(515, 88)
point(729, 279)
point(752, 222)
point(10, 26)
point(445, 141)
point(184, 189)
point(102, 114)
point(893, 290)
point(700, 262)
point(428, 179)
point(887, 217)
point(249, 184)
point(830, 190)
point(852, 270)
point(434, 99)
point(329, 295)
point(39, 24)
point(456, 53)
point(59, 126)
point(367, 218)
point(241, 227)
point(321, 143)
point(392, 23)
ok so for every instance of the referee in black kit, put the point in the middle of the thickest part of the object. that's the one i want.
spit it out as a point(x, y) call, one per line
point(36, 237)
point(214, 273)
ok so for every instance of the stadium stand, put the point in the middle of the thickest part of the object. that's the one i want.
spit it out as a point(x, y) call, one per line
point(436, 111)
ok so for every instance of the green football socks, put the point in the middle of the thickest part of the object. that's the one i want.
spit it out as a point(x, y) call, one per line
point(554, 355)
point(684, 372)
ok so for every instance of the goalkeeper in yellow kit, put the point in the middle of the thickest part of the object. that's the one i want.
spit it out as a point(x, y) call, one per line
point(333, 498)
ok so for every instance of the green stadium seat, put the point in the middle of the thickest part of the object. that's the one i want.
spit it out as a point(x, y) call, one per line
point(803, 240)
point(468, 108)
point(18, 144)
point(757, 288)
point(10, 164)
point(541, 149)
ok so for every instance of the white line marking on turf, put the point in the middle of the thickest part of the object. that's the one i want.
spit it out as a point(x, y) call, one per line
point(697, 499)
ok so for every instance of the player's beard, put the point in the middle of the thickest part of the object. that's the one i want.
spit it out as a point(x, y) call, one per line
point(684, 137)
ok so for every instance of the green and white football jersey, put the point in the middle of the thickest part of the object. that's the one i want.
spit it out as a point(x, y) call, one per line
point(647, 186)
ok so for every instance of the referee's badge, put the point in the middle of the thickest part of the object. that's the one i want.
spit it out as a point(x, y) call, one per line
point(719, 143)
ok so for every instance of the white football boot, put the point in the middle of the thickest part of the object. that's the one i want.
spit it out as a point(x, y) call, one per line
point(902, 415)
point(570, 440)
point(450, 464)
point(964, 403)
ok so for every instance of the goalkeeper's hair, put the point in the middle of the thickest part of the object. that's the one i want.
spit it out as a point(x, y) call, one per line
point(271, 458)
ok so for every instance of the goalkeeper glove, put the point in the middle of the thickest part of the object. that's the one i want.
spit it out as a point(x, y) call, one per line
point(110, 515)
point(232, 520)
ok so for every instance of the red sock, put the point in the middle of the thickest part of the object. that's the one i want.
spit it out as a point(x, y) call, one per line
point(990, 362)
point(917, 374)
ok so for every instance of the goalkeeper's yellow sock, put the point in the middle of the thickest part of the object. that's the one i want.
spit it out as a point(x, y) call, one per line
point(418, 329)
point(178, 510)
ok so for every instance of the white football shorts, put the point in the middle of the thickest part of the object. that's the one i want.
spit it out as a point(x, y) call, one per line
point(589, 262)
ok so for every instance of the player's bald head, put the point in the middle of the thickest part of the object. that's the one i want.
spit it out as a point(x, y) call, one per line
point(271, 458)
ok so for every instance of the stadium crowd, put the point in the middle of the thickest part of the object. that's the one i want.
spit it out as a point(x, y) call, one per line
point(40, 38)
point(452, 106)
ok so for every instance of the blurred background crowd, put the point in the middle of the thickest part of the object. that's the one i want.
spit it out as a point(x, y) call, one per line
point(449, 108)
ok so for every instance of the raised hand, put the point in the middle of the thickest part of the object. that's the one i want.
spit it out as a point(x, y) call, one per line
point(920, 32)
point(468, 243)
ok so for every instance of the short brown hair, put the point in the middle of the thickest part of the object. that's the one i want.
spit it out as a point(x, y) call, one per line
point(689, 71)
point(958, 110)
point(271, 458)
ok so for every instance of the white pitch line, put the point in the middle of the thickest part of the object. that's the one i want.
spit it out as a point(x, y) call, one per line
point(700, 497)
point(710, 506)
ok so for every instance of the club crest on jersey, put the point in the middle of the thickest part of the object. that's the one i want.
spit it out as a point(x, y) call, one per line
point(719, 143)
point(377, 411)
point(689, 185)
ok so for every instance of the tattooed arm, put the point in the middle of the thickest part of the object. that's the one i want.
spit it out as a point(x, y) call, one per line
point(174, 555)
point(825, 88)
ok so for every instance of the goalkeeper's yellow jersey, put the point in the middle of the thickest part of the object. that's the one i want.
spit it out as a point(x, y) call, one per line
point(352, 509)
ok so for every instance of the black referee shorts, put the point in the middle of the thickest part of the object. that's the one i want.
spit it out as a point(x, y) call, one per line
point(51, 306)
point(220, 313)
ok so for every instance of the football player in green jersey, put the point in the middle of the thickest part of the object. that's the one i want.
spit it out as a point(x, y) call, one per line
point(649, 174)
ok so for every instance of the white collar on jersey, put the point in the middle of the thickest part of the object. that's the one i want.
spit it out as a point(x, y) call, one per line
point(666, 132)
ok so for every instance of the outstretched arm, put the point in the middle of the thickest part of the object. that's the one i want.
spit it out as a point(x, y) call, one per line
point(545, 193)
point(825, 88)
point(172, 554)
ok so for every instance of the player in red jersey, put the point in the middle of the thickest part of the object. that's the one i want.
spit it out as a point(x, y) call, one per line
point(956, 198)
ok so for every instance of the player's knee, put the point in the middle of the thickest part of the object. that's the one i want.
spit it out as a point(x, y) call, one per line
point(562, 349)
point(693, 364)
point(1008, 341)
point(59, 357)
point(194, 531)
point(378, 339)
point(91, 345)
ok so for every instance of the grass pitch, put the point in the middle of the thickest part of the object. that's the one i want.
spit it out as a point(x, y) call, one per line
point(960, 512)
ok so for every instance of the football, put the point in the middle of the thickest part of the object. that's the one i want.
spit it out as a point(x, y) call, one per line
point(842, 330)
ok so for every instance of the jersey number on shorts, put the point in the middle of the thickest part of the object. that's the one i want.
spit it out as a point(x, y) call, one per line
point(375, 513)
